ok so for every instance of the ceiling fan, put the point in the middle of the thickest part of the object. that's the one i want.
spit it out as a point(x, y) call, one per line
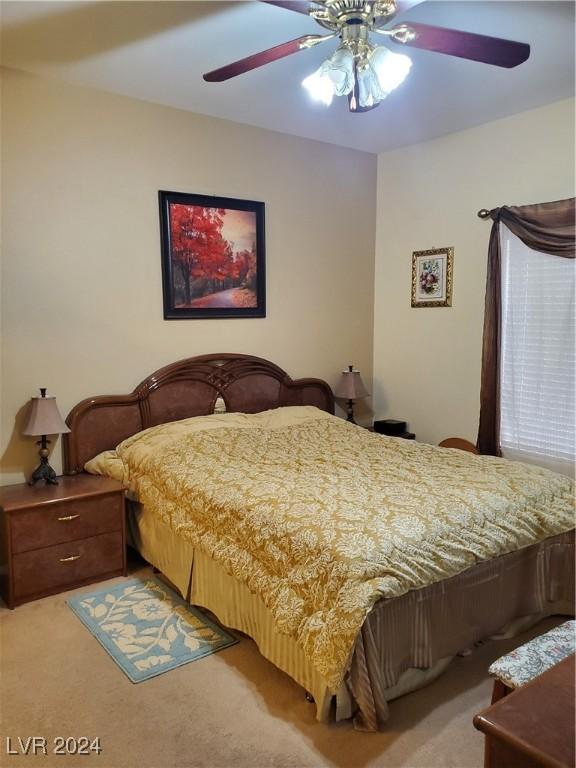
point(365, 72)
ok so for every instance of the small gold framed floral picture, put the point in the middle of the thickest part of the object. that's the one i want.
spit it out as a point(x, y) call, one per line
point(432, 277)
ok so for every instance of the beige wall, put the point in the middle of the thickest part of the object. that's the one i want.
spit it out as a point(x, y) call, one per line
point(427, 361)
point(81, 283)
point(82, 303)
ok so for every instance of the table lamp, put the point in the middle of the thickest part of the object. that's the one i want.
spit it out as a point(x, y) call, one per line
point(351, 387)
point(44, 419)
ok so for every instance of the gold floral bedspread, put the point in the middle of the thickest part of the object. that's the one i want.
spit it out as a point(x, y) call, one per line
point(321, 518)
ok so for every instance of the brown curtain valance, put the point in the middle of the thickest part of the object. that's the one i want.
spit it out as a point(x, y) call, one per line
point(545, 227)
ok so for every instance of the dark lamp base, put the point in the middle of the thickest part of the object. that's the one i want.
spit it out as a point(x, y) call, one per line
point(43, 471)
point(350, 414)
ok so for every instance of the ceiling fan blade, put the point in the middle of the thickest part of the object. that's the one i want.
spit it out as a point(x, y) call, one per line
point(264, 57)
point(465, 45)
point(300, 6)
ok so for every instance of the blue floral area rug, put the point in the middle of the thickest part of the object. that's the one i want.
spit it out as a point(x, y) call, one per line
point(147, 628)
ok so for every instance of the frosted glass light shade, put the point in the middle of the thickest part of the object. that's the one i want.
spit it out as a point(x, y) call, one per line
point(340, 69)
point(369, 91)
point(320, 87)
point(382, 72)
point(390, 68)
point(334, 77)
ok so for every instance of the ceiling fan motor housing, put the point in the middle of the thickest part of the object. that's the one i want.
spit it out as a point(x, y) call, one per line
point(337, 14)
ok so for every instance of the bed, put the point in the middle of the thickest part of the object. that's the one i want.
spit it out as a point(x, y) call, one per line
point(266, 515)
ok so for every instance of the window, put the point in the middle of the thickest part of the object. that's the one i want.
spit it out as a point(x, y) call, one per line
point(538, 360)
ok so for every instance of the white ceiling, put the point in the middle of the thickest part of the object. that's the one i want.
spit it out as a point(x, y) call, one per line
point(157, 51)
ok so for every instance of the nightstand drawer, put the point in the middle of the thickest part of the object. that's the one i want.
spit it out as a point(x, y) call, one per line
point(47, 570)
point(60, 522)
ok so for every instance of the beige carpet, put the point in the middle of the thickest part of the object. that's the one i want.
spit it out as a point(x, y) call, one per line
point(229, 709)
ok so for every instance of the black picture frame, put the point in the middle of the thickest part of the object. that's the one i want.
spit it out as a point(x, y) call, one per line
point(213, 256)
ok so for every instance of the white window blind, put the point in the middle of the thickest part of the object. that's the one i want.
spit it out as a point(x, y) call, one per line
point(538, 360)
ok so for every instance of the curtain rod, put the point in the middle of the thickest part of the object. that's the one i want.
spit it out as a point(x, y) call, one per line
point(483, 213)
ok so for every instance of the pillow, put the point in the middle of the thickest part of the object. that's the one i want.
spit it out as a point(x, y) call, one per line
point(107, 463)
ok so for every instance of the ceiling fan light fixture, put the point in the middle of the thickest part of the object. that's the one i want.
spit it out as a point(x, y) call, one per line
point(390, 68)
point(376, 70)
point(369, 91)
point(334, 77)
point(341, 71)
point(379, 73)
point(360, 70)
point(320, 87)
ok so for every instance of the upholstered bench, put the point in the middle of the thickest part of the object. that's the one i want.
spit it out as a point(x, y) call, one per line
point(532, 659)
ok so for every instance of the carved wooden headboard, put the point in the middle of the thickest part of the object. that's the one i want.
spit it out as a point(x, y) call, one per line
point(186, 388)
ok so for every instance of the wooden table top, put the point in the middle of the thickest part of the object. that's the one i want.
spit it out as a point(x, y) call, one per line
point(13, 497)
point(537, 719)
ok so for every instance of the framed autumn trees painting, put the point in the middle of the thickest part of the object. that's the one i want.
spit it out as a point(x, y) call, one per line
point(212, 256)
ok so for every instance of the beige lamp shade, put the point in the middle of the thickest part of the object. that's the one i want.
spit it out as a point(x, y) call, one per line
point(351, 386)
point(44, 418)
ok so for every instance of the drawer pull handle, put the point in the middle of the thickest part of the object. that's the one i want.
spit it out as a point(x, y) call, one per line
point(68, 517)
point(69, 559)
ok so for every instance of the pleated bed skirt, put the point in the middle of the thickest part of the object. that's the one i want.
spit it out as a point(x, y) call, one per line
point(404, 642)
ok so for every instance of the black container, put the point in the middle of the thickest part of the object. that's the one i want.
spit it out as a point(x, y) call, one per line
point(391, 427)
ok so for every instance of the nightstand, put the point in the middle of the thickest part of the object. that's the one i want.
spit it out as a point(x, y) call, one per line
point(57, 537)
